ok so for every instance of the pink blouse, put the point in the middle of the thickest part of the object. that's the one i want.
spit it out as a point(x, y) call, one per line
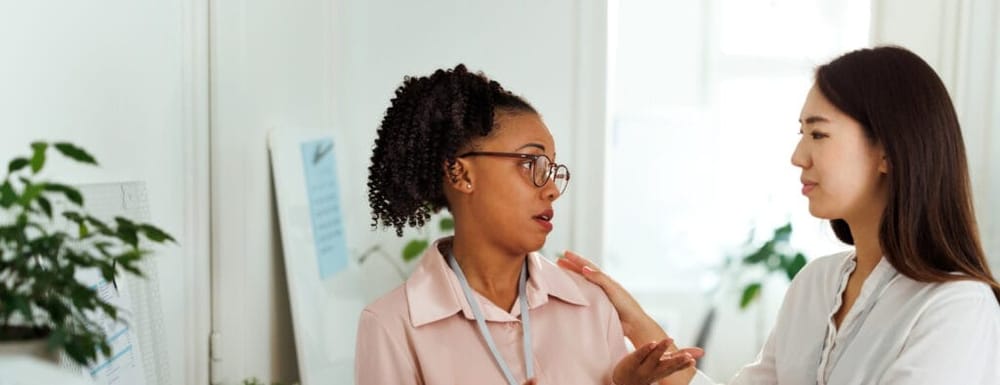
point(423, 332)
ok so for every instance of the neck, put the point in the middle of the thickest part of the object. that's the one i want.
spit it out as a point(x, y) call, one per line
point(489, 270)
point(866, 243)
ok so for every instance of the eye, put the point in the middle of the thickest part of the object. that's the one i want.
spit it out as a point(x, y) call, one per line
point(818, 135)
point(526, 164)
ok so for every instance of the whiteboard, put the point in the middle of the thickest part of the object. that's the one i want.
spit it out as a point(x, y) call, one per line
point(138, 349)
point(323, 283)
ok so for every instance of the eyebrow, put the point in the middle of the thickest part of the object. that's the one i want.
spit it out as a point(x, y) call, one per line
point(814, 119)
point(535, 145)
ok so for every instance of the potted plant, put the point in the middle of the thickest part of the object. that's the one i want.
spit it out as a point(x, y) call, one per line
point(45, 308)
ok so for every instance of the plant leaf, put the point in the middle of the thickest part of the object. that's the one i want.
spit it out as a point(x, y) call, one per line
point(762, 254)
point(795, 265)
point(46, 206)
point(20, 303)
point(108, 273)
point(31, 192)
point(82, 230)
point(16, 164)
point(413, 249)
point(155, 234)
point(7, 195)
point(73, 216)
point(447, 224)
point(127, 232)
point(783, 233)
point(38, 158)
point(109, 309)
point(750, 292)
point(76, 153)
point(71, 193)
point(103, 228)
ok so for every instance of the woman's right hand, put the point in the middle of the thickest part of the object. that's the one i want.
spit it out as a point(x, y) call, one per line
point(651, 363)
point(638, 326)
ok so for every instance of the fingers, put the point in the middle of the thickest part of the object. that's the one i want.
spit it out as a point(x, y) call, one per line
point(659, 364)
point(695, 353)
point(568, 264)
point(655, 363)
point(628, 367)
point(653, 360)
point(580, 265)
point(579, 260)
point(641, 354)
point(672, 363)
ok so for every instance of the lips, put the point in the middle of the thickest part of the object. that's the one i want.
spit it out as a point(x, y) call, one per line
point(544, 219)
point(807, 186)
point(545, 215)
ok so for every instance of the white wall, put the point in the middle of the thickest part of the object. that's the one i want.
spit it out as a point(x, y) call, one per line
point(270, 67)
point(124, 80)
point(336, 65)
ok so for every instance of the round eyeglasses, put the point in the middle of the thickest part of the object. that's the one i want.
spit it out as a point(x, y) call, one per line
point(542, 168)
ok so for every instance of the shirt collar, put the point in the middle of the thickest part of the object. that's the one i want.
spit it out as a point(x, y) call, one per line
point(433, 291)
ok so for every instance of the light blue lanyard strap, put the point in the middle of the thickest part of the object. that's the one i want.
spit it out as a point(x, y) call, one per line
point(481, 321)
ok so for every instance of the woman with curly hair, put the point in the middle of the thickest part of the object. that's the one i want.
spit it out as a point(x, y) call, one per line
point(483, 307)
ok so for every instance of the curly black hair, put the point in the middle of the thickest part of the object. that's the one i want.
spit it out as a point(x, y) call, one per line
point(427, 122)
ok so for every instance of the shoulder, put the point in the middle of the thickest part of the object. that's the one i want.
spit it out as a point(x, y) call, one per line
point(821, 273)
point(391, 308)
point(594, 295)
point(965, 288)
point(825, 265)
point(572, 287)
point(964, 295)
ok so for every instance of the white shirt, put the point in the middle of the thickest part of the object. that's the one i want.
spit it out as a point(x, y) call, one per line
point(899, 331)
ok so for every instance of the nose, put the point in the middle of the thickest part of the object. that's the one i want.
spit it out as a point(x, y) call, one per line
point(800, 157)
point(549, 191)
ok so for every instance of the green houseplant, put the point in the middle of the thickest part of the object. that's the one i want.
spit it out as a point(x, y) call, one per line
point(775, 255)
point(413, 248)
point(41, 251)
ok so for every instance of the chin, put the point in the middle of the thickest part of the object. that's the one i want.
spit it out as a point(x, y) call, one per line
point(822, 212)
point(535, 244)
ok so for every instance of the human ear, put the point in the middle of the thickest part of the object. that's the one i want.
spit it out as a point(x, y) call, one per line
point(459, 176)
point(883, 163)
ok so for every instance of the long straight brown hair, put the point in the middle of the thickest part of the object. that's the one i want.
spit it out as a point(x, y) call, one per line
point(928, 229)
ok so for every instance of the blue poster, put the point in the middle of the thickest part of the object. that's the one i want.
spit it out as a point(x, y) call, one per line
point(320, 166)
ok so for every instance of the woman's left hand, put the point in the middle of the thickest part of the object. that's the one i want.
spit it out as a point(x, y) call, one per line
point(638, 326)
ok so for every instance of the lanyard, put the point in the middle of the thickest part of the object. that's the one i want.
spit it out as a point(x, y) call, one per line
point(481, 321)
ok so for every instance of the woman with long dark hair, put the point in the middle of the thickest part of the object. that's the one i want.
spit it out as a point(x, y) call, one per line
point(914, 302)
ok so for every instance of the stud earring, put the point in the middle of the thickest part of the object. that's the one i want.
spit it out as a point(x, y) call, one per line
point(468, 185)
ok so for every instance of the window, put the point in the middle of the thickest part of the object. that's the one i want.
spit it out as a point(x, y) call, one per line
point(704, 104)
point(704, 107)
